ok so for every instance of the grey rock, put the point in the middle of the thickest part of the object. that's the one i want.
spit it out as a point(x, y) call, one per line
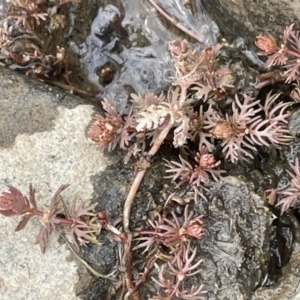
point(247, 18)
point(28, 107)
point(294, 121)
point(236, 244)
point(43, 142)
point(288, 286)
point(235, 248)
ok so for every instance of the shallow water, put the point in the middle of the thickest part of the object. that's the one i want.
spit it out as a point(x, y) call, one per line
point(141, 62)
point(116, 48)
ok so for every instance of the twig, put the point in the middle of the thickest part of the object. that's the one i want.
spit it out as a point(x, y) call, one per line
point(69, 87)
point(175, 22)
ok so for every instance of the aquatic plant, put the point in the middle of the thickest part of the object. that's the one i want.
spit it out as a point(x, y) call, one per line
point(284, 57)
point(203, 112)
point(176, 239)
point(20, 45)
point(201, 172)
point(81, 221)
point(247, 126)
point(113, 129)
point(171, 277)
point(199, 69)
point(28, 13)
point(170, 233)
point(247, 123)
point(195, 111)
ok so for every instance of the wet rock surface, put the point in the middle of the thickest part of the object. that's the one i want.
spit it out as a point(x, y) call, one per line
point(112, 49)
point(235, 248)
point(247, 19)
point(287, 287)
point(237, 242)
point(28, 107)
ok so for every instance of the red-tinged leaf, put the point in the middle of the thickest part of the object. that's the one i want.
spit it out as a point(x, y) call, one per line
point(43, 236)
point(292, 70)
point(7, 212)
point(202, 91)
point(13, 201)
point(286, 33)
point(278, 58)
point(23, 222)
point(295, 40)
point(109, 107)
point(287, 202)
point(267, 44)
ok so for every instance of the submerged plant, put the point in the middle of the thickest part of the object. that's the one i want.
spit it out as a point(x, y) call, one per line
point(283, 59)
point(28, 13)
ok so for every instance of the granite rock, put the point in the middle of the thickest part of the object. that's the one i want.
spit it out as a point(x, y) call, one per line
point(43, 142)
point(248, 18)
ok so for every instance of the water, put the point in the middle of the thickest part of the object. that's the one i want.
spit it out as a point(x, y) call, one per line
point(114, 48)
point(143, 64)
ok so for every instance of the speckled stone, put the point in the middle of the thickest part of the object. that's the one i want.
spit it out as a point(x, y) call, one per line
point(43, 142)
point(248, 18)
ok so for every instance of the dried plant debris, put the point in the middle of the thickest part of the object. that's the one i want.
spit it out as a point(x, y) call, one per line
point(23, 49)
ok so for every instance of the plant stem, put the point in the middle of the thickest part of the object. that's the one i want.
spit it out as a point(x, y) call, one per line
point(126, 215)
point(92, 270)
point(294, 53)
point(131, 287)
point(182, 96)
point(139, 177)
point(126, 261)
point(130, 197)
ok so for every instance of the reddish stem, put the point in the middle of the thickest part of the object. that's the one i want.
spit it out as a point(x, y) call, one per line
point(63, 221)
point(126, 215)
point(182, 96)
point(131, 287)
point(175, 288)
